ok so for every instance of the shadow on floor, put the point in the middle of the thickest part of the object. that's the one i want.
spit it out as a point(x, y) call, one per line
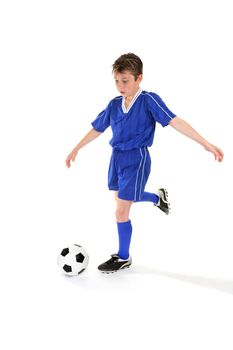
point(223, 285)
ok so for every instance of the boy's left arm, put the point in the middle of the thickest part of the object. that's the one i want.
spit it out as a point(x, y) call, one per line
point(187, 130)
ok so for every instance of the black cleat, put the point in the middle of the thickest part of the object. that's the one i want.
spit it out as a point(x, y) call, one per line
point(163, 201)
point(115, 264)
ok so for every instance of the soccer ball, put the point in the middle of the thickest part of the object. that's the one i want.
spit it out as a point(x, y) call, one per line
point(73, 260)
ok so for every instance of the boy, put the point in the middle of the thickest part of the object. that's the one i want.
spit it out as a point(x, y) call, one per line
point(132, 117)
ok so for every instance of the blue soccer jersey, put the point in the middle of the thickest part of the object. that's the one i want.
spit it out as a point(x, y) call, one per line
point(133, 127)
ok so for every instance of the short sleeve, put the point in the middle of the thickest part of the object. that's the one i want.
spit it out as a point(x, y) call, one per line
point(102, 121)
point(158, 110)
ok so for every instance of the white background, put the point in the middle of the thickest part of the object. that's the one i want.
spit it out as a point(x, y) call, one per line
point(55, 67)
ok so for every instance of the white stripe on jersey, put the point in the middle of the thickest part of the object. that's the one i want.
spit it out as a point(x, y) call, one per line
point(126, 110)
point(158, 105)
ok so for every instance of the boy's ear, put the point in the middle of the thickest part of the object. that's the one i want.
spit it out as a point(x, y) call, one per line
point(139, 78)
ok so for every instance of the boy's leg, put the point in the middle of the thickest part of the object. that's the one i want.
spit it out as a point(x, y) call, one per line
point(124, 226)
point(149, 197)
point(160, 200)
point(121, 259)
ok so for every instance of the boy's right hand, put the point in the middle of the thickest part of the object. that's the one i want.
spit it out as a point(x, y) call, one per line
point(72, 157)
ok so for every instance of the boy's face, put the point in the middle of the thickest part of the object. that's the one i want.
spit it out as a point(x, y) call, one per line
point(126, 83)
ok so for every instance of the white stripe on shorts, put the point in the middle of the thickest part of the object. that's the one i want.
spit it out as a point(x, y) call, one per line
point(143, 170)
point(143, 161)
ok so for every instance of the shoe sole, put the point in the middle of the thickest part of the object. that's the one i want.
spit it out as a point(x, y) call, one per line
point(164, 194)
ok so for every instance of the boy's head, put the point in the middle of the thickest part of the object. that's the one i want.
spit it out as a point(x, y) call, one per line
point(127, 70)
point(128, 63)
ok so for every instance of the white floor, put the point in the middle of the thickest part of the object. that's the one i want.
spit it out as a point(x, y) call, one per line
point(177, 294)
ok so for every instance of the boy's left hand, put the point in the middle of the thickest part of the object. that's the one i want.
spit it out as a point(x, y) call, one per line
point(217, 152)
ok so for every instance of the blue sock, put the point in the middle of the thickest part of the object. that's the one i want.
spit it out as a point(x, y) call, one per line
point(149, 197)
point(124, 233)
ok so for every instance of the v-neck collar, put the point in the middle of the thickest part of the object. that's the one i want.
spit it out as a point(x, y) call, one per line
point(126, 110)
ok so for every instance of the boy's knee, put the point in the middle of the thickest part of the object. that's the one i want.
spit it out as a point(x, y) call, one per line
point(121, 214)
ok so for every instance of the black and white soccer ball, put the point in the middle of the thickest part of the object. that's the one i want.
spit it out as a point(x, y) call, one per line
point(73, 260)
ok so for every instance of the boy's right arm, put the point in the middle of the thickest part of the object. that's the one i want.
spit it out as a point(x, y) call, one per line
point(186, 129)
point(90, 136)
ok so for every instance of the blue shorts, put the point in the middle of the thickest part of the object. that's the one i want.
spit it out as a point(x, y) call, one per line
point(128, 173)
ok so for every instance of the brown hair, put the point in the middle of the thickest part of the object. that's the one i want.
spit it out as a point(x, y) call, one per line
point(128, 62)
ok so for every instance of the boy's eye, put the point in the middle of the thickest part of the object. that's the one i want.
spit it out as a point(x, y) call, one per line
point(123, 81)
